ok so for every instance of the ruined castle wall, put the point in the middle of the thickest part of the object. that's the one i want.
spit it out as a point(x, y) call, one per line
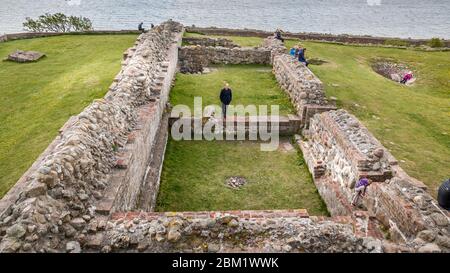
point(303, 87)
point(344, 38)
point(339, 150)
point(194, 58)
point(55, 201)
point(32, 35)
point(232, 231)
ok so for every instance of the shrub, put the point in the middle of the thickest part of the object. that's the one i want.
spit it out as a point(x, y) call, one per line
point(436, 42)
point(396, 42)
point(58, 22)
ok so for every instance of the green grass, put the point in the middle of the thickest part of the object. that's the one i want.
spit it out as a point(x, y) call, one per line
point(251, 85)
point(242, 41)
point(194, 174)
point(36, 99)
point(412, 122)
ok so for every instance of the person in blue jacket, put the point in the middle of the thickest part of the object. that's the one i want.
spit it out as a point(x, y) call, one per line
point(301, 56)
point(292, 52)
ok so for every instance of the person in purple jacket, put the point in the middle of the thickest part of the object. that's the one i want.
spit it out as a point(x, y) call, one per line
point(360, 189)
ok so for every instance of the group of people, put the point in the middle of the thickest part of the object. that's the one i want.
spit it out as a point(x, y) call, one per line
point(141, 27)
point(298, 52)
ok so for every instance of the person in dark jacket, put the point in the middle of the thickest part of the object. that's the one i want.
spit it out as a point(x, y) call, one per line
point(141, 27)
point(278, 35)
point(301, 56)
point(225, 97)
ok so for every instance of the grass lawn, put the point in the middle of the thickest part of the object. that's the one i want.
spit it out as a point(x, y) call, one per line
point(36, 99)
point(412, 122)
point(194, 175)
point(251, 85)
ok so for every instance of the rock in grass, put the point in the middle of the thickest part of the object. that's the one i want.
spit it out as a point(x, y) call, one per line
point(21, 56)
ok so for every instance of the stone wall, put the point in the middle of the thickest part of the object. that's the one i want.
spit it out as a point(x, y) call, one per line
point(194, 58)
point(54, 204)
point(31, 35)
point(233, 231)
point(351, 39)
point(287, 125)
point(303, 87)
point(214, 42)
point(339, 150)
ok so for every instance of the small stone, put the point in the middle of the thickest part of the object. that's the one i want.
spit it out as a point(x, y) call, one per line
point(233, 223)
point(26, 247)
point(16, 231)
point(69, 231)
point(439, 219)
point(173, 236)
point(159, 237)
point(106, 249)
point(429, 248)
point(379, 152)
point(213, 248)
point(31, 228)
point(78, 223)
point(73, 247)
point(443, 241)
point(420, 201)
point(376, 166)
point(83, 197)
point(287, 248)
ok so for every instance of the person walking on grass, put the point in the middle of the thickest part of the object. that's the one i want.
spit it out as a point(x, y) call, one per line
point(360, 190)
point(225, 98)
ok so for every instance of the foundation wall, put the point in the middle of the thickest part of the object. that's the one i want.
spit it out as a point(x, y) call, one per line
point(56, 202)
point(194, 58)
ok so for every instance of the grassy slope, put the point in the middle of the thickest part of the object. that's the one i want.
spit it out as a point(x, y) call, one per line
point(36, 99)
point(194, 174)
point(251, 84)
point(412, 122)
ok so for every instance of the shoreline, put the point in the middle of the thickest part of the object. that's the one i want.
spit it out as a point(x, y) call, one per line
point(245, 32)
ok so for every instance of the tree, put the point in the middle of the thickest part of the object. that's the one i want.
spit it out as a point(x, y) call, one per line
point(58, 22)
point(436, 42)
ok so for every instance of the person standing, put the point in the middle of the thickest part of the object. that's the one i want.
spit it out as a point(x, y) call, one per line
point(360, 189)
point(225, 98)
point(278, 35)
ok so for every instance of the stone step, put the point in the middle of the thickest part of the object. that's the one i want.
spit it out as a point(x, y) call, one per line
point(245, 214)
